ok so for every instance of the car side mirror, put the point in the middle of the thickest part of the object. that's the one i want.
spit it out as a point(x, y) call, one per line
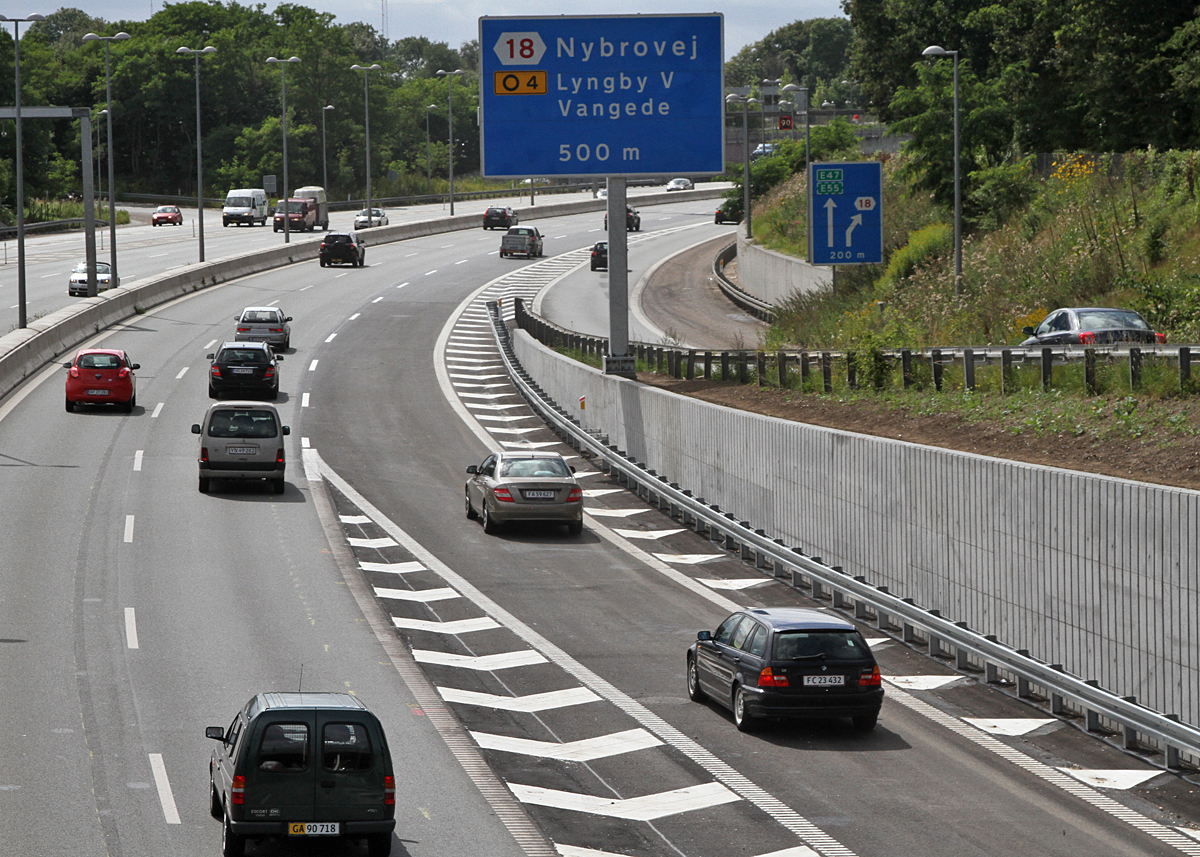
point(195, 428)
point(210, 357)
point(704, 636)
point(237, 318)
point(289, 318)
point(135, 365)
point(472, 468)
point(214, 732)
point(287, 430)
point(572, 467)
point(278, 359)
point(1028, 331)
point(68, 365)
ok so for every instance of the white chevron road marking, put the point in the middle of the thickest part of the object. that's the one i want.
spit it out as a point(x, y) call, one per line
point(645, 808)
point(573, 751)
point(418, 596)
point(644, 534)
point(500, 661)
point(458, 626)
point(1011, 726)
point(384, 542)
point(532, 702)
point(392, 567)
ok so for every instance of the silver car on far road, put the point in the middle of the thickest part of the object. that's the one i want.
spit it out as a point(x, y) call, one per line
point(524, 486)
point(264, 324)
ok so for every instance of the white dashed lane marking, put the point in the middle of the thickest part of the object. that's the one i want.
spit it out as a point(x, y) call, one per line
point(210, 344)
point(165, 796)
point(137, 460)
point(131, 637)
point(304, 400)
point(312, 367)
point(356, 315)
point(129, 528)
point(377, 300)
point(157, 410)
point(402, 285)
point(182, 372)
point(330, 337)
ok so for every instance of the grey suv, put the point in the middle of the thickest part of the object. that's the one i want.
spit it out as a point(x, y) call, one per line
point(241, 440)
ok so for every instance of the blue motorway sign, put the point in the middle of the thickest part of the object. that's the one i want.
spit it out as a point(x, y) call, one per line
point(845, 213)
point(602, 95)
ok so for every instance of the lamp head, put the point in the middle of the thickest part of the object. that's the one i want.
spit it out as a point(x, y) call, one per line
point(328, 107)
point(122, 36)
point(938, 51)
point(28, 18)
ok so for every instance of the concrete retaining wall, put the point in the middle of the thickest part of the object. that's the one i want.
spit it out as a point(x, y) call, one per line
point(774, 277)
point(1100, 575)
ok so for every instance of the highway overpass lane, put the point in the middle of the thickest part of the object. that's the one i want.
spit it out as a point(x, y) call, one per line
point(232, 592)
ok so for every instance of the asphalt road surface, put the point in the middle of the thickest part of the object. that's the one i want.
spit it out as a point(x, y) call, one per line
point(135, 611)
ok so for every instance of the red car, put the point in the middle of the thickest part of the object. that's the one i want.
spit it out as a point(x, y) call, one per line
point(101, 376)
point(167, 214)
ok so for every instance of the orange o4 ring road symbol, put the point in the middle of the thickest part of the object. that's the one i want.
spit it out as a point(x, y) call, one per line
point(520, 83)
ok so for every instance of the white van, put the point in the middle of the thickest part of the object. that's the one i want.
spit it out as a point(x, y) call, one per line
point(317, 195)
point(245, 205)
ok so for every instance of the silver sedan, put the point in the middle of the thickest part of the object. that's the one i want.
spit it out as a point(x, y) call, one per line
point(524, 486)
point(375, 217)
point(264, 324)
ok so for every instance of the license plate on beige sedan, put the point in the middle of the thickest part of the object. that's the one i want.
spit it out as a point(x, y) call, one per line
point(313, 828)
point(823, 680)
point(241, 450)
point(540, 495)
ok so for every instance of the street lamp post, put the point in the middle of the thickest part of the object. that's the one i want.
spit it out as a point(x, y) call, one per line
point(770, 89)
point(16, 22)
point(112, 180)
point(324, 158)
point(287, 236)
point(939, 51)
point(195, 52)
point(367, 127)
point(792, 89)
point(96, 156)
point(449, 75)
point(745, 102)
point(428, 162)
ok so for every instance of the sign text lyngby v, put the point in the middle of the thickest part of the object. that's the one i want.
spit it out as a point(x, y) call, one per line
point(604, 96)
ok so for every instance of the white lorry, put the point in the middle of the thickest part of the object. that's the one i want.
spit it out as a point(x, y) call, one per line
point(245, 205)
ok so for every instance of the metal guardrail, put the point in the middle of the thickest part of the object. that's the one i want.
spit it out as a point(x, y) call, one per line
point(1137, 726)
point(7, 232)
point(755, 306)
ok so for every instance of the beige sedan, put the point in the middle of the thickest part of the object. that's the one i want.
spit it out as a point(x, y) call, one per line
point(524, 486)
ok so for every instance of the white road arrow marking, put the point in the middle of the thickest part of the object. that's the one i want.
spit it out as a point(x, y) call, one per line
point(645, 808)
point(532, 702)
point(856, 220)
point(830, 205)
point(487, 663)
point(573, 751)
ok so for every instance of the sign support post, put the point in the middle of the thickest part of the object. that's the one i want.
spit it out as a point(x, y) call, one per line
point(618, 361)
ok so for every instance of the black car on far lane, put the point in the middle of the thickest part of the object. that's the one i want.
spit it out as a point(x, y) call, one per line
point(600, 256)
point(1091, 326)
point(499, 217)
point(786, 662)
point(244, 368)
point(342, 247)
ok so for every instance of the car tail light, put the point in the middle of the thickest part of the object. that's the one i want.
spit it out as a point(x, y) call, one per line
point(237, 792)
point(270, 373)
point(275, 329)
point(204, 453)
point(766, 678)
point(322, 245)
point(1086, 337)
point(124, 373)
point(1160, 338)
point(279, 455)
point(243, 329)
point(870, 678)
point(215, 371)
point(504, 495)
point(73, 371)
point(575, 495)
point(389, 790)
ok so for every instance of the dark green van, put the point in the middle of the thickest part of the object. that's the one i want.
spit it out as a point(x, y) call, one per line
point(303, 765)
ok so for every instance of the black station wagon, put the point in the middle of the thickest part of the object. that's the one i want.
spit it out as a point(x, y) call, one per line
point(786, 662)
point(302, 766)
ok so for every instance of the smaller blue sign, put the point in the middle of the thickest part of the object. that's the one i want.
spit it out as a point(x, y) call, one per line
point(845, 213)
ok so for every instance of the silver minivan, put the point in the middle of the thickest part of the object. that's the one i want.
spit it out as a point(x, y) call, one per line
point(242, 440)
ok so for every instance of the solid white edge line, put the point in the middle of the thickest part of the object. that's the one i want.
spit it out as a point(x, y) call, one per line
point(165, 796)
point(131, 637)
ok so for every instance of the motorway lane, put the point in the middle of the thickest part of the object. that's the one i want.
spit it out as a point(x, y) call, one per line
point(911, 788)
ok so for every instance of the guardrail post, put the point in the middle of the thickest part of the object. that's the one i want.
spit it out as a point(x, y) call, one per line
point(745, 551)
point(906, 367)
point(781, 361)
point(935, 365)
point(969, 369)
point(1006, 372)
point(691, 365)
point(961, 655)
point(678, 363)
point(851, 371)
point(658, 357)
point(1185, 369)
point(707, 365)
point(760, 367)
point(1089, 371)
point(1129, 735)
point(827, 371)
point(743, 368)
point(804, 367)
point(1135, 368)
point(1047, 368)
point(724, 365)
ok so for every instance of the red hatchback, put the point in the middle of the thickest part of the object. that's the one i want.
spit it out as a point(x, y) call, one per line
point(101, 376)
point(167, 214)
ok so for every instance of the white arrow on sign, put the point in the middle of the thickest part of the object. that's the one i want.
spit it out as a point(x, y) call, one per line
point(520, 48)
point(830, 205)
point(856, 220)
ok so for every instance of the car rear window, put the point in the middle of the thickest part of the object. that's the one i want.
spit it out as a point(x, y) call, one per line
point(831, 644)
point(346, 747)
point(260, 316)
point(99, 361)
point(284, 748)
point(549, 468)
point(1110, 320)
point(242, 355)
point(337, 239)
point(242, 422)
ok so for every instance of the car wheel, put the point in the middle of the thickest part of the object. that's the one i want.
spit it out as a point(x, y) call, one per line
point(287, 343)
point(128, 406)
point(277, 486)
point(232, 845)
point(212, 392)
point(695, 694)
point(273, 395)
point(379, 845)
point(471, 513)
point(322, 262)
point(575, 527)
point(214, 801)
point(865, 722)
point(202, 485)
point(70, 407)
point(489, 525)
point(152, 223)
point(742, 718)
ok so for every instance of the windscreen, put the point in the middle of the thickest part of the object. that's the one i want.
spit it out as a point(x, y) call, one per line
point(239, 202)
